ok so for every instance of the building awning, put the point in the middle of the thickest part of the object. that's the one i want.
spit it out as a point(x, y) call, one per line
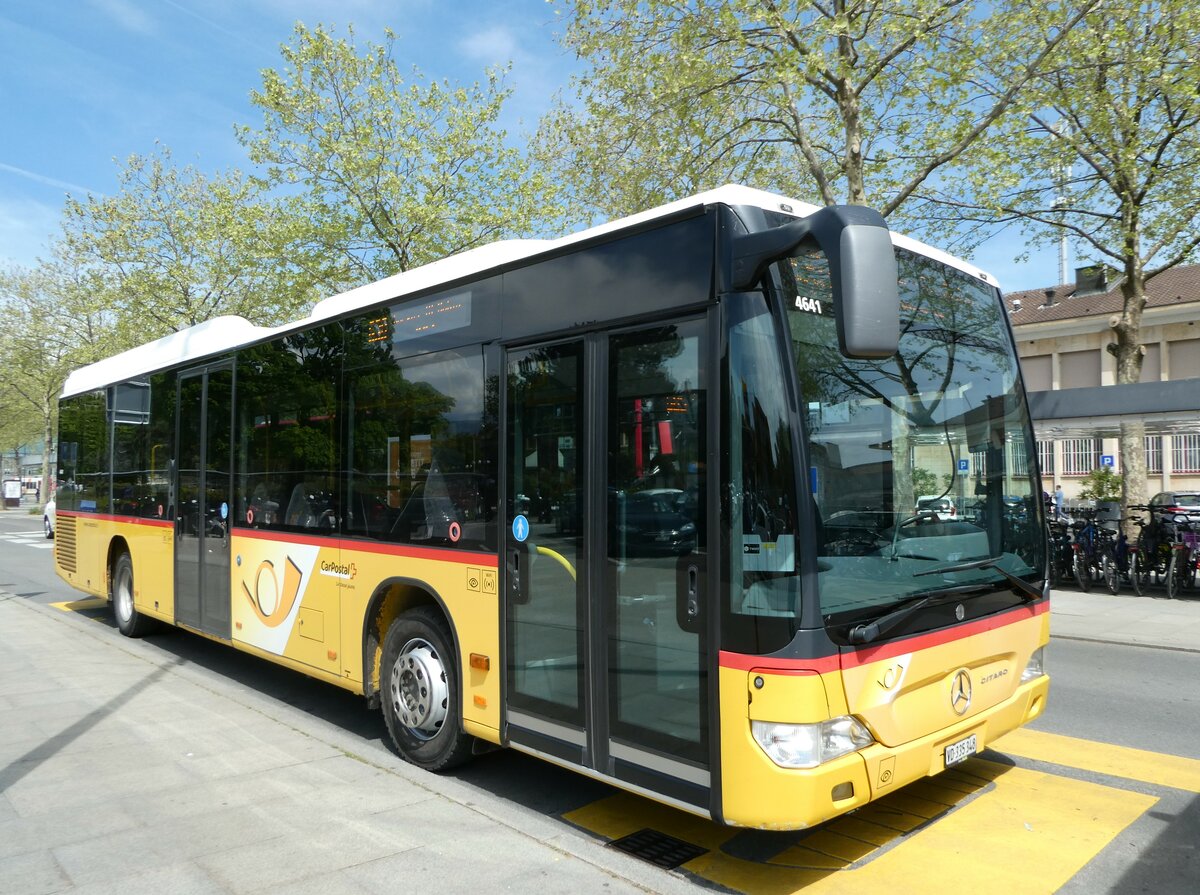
point(1165, 408)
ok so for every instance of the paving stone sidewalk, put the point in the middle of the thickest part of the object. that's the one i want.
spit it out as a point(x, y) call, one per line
point(126, 771)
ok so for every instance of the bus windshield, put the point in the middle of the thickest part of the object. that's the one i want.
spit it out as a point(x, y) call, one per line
point(921, 465)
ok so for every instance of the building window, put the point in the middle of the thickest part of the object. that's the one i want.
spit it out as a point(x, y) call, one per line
point(1185, 453)
point(1079, 369)
point(1018, 459)
point(1184, 359)
point(1080, 455)
point(979, 463)
point(1045, 451)
point(1154, 454)
point(1037, 373)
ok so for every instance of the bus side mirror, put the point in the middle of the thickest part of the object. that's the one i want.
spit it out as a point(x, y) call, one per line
point(862, 268)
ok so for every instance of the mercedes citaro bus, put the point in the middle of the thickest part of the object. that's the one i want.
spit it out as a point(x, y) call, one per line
point(643, 501)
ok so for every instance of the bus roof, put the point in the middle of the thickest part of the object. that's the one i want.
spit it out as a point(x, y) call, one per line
point(222, 334)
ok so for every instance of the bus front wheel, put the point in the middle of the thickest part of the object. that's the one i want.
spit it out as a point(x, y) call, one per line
point(130, 622)
point(421, 695)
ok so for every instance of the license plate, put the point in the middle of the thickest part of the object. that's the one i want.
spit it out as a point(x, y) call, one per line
point(956, 753)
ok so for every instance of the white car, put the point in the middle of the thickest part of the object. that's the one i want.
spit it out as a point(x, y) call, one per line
point(48, 518)
point(943, 506)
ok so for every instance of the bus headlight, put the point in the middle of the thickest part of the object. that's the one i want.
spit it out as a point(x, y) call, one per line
point(1036, 666)
point(809, 745)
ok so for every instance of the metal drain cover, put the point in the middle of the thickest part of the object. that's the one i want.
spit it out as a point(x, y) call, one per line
point(658, 848)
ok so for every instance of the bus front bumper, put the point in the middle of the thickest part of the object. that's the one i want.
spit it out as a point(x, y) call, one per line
point(758, 793)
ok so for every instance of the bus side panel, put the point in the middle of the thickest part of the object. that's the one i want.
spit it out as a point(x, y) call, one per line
point(306, 599)
point(468, 586)
point(286, 596)
point(85, 569)
point(81, 553)
point(152, 549)
point(76, 546)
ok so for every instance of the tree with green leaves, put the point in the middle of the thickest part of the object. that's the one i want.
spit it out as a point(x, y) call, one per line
point(382, 174)
point(1121, 112)
point(856, 101)
point(1101, 484)
point(182, 247)
point(54, 322)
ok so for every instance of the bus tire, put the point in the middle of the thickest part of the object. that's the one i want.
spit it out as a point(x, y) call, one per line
point(420, 691)
point(130, 622)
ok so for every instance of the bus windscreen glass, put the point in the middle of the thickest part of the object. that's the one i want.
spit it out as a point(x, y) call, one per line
point(922, 464)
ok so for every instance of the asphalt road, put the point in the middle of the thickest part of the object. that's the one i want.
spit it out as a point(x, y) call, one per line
point(1125, 695)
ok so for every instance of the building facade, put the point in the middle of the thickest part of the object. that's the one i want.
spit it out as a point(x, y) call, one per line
point(1063, 334)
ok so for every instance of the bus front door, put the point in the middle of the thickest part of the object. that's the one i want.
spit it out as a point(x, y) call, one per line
point(605, 572)
point(203, 500)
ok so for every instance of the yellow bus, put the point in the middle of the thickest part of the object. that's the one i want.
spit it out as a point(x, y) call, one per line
point(647, 501)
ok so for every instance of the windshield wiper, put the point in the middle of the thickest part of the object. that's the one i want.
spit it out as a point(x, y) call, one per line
point(871, 631)
point(1028, 591)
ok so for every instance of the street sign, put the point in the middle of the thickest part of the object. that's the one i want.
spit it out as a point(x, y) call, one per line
point(1107, 460)
point(964, 465)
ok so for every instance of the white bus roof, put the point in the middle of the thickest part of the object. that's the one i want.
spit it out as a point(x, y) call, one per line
point(222, 334)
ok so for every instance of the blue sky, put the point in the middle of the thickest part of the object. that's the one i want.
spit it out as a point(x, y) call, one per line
point(84, 82)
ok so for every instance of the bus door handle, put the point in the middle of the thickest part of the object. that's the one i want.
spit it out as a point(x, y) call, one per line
point(516, 563)
point(690, 592)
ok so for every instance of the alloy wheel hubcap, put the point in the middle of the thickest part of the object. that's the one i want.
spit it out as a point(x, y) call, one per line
point(124, 598)
point(419, 692)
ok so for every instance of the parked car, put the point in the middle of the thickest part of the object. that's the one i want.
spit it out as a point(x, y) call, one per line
point(48, 518)
point(649, 522)
point(943, 506)
point(1177, 502)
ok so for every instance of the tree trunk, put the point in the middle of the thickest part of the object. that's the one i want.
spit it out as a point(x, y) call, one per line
point(1128, 351)
point(848, 104)
point(47, 447)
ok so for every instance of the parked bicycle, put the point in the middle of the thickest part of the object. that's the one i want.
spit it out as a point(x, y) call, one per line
point(1166, 551)
point(1094, 549)
point(1061, 553)
point(1181, 569)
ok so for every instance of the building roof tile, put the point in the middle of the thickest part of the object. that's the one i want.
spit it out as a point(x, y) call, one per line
point(1179, 285)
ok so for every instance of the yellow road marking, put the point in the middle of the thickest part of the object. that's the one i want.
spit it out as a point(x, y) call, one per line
point(1116, 761)
point(1032, 833)
point(77, 605)
point(1026, 831)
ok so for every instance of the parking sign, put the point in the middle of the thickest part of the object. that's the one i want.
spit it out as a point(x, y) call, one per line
point(1106, 460)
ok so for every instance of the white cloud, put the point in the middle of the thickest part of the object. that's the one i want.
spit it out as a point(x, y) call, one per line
point(73, 188)
point(26, 228)
point(127, 15)
point(493, 46)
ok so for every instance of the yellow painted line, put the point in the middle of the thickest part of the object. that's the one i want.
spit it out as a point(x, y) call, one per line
point(78, 605)
point(1025, 831)
point(1116, 761)
point(1032, 833)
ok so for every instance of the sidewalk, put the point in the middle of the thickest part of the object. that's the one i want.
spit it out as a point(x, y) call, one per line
point(1127, 618)
point(127, 770)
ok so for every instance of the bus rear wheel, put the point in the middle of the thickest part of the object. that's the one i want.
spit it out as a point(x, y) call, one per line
point(130, 622)
point(421, 695)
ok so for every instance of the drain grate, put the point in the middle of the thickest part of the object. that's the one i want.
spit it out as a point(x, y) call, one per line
point(658, 848)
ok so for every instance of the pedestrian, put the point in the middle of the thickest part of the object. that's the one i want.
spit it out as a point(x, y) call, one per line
point(1058, 502)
